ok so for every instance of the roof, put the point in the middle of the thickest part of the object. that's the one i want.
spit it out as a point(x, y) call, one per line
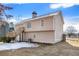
point(3, 22)
point(38, 17)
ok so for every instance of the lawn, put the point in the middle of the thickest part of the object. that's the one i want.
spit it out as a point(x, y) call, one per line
point(73, 41)
point(59, 49)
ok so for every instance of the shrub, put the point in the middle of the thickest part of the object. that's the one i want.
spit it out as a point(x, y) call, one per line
point(6, 39)
point(2, 39)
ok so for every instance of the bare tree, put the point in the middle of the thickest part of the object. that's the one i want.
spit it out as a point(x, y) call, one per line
point(71, 30)
point(2, 11)
point(3, 16)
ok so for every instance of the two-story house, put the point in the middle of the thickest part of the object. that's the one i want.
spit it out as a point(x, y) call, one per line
point(46, 28)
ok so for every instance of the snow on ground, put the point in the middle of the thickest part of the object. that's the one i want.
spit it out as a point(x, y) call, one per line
point(17, 45)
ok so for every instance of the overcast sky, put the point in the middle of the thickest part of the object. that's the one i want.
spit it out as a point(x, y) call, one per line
point(70, 11)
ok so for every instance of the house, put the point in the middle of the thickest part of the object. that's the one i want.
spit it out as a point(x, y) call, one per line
point(4, 28)
point(46, 28)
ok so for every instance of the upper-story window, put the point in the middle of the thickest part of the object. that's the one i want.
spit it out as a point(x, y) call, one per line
point(42, 22)
point(28, 25)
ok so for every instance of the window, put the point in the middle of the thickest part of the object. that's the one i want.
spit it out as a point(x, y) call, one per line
point(42, 22)
point(34, 36)
point(28, 25)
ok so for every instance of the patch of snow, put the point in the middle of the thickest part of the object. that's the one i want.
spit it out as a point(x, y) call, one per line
point(9, 46)
point(1, 42)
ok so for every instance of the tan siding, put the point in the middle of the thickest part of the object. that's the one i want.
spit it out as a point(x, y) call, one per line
point(43, 37)
point(58, 26)
point(36, 24)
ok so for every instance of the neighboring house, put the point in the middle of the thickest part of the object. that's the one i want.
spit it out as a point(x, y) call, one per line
point(44, 29)
point(4, 28)
point(11, 27)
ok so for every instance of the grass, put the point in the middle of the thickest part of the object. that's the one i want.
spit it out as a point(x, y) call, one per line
point(73, 41)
